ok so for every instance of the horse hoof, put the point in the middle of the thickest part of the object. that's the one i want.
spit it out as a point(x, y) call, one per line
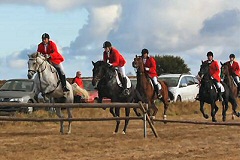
point(206, 116)
point(214, 120)
point(114, 132)
point(123, 132)
point(164, 117)
point(69, 132)
point(224, 119)
point(233, 117)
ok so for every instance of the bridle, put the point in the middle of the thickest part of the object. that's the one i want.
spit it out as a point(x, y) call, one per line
point(39, 66)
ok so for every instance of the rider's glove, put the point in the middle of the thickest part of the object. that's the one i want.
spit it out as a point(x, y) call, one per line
point(147, 69)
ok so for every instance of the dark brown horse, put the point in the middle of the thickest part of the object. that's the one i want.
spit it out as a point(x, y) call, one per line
point(228, 79)
point(145, 90)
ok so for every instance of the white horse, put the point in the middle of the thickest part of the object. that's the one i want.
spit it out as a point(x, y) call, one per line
point(49, 84)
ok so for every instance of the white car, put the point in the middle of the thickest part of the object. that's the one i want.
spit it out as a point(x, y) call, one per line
point(184, 87)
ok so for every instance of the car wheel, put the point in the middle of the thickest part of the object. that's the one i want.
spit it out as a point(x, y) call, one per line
point(179, 99)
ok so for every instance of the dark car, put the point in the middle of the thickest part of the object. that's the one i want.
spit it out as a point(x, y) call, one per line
point(93, 93)
point(18, 91)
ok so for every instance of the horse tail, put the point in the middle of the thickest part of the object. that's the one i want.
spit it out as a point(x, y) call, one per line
point(170, 95)
point(79, 90)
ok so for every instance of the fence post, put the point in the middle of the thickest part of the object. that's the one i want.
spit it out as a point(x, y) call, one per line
point(145, 124)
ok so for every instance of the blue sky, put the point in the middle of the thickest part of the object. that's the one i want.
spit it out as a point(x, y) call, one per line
point(79, 27)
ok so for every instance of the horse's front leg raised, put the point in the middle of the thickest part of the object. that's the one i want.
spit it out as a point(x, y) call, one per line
point(202, 110)
point(60, 115)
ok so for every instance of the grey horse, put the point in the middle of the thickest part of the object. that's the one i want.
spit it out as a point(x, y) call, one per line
point(49, 84)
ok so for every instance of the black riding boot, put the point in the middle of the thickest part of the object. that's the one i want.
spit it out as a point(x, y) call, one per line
point(124, 85)
point(156, 88)
point(220, 94)
point(63, 81)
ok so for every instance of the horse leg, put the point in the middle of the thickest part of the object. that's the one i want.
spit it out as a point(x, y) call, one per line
point(224, 110)
point(69, 110)
point(155, 110)
point(136, 112)
point(214, 110)
point(202, 110)
point(117, 112)
point(234, 104)
point(114, 115)
point(165, 111)
point(127, 113)
point(60, 115)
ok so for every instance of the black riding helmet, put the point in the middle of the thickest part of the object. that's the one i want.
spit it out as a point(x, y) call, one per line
point(231, 56)
point(45, 35)
point(210, 54)
point(144, 51)
point(107, 44)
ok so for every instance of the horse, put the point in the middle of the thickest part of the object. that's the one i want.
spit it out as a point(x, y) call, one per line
point(105, 77)
point(49, 84)
point(145, 90)
point(228, 79)
point(208, 93)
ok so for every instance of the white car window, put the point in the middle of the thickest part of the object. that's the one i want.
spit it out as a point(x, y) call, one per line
point(183, 81)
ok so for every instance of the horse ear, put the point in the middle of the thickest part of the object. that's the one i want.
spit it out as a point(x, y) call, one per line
point(221, 63)
point(136, 56)
point(202, 61)
point(93, 63)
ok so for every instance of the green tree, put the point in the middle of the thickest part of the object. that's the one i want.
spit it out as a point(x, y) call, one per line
point(171, 64)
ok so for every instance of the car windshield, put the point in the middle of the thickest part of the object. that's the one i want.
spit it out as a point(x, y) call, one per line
point(171, 81)
point(17, 85)
point(88, 85)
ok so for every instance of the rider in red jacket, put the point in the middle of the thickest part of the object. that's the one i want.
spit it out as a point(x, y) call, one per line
point(234, 69)
point(78, 79)
point(114, 58)
point(49, 48)
point(151, 69)
point(214, 70)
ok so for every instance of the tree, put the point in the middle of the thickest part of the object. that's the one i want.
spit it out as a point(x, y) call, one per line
point(171, 64)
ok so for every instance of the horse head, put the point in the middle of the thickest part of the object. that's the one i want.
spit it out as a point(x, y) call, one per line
point(224, 69)
point(101, 70)
point(34, 62)
point(204, 69)
point(138, 63)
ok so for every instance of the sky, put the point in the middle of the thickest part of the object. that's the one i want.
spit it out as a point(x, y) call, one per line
point(188, 29)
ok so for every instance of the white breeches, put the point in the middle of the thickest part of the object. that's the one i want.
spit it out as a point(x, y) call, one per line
point(155, 81)
point(122, 71)
point(60, 67)
point(236, 78)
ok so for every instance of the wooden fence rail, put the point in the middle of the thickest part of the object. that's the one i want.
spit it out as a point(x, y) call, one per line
point(139, 105)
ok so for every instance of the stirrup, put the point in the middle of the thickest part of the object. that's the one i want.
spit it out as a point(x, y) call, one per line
point(65, 89)
point(126, 92)
point(159, 96)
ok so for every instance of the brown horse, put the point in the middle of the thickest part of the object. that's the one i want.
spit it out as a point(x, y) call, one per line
point(145, 90)
point(228, 79)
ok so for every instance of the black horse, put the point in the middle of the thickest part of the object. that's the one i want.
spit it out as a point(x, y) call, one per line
point(104, 76)
point(208, 93)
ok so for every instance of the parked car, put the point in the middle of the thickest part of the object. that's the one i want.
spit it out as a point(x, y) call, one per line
point(18, 91)
point(93, 93)
point(184, 87)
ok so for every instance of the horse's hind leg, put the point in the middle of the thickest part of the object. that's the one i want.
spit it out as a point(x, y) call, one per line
point(127, 112)
point(60, 115)
point(202, 110)
point(165, 111)
point(69, 110)
point(214, 110)
point(115, 114)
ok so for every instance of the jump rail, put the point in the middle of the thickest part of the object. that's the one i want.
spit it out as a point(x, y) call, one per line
point(198, 122)
point(139, 105)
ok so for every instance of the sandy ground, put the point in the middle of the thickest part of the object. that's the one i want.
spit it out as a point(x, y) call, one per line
point(94, 140)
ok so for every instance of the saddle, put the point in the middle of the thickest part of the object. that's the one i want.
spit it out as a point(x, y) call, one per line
point(119, 80)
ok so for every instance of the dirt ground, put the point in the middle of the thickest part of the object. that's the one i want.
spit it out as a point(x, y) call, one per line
point(94, 140)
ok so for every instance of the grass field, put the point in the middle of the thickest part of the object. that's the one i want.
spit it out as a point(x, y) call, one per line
point(94, 140)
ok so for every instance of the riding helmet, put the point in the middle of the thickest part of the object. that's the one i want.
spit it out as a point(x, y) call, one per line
point(45, 35)
point(231, 56)
point(107, 44)
point(144, 51)
point(210, 54)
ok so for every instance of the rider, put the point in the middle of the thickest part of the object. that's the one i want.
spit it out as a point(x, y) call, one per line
point(151, 68)
point(78, 79)
point(214, 71)
point(234, 69)
point(49, 49)
point(114, 58)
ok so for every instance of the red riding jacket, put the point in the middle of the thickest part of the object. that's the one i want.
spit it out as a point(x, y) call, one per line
point(115, 58)
point(52, 50)
point(234, 68)
point(78, 81)
point(151, 64)
point(214, 70)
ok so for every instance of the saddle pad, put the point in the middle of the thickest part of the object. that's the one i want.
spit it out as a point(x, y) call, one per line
point(119, 82)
